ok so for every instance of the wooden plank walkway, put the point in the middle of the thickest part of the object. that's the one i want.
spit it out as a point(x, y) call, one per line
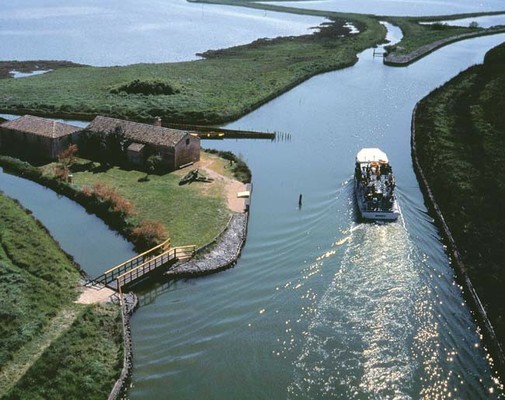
point(144, 264)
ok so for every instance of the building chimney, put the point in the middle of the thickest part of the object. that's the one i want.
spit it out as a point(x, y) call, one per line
point(157, 121)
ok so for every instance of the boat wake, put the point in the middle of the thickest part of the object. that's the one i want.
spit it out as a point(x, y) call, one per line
point(371, 325)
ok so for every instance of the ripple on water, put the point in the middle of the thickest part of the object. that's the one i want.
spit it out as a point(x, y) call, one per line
point(378, 331)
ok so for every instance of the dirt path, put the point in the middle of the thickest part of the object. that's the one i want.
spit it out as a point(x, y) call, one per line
point(24, 358)
point(231, 186)
point(92, 295)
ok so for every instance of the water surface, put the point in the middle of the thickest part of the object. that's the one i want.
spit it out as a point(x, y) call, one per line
point(128, 32)
point(400, 7)
point(321, 305)
point(93, 245)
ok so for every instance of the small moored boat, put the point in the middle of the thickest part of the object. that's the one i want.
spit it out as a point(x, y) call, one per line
point(374, 185)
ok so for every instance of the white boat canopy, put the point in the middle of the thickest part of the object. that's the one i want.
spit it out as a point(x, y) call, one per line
point(371, 154)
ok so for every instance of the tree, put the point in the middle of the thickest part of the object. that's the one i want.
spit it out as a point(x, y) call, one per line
point(153, 163)
point(67, 157)
point(115, 145)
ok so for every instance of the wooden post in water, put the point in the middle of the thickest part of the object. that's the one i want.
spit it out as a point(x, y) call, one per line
point(300, 201)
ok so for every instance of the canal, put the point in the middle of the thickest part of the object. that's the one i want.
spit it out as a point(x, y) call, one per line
point(320, 305)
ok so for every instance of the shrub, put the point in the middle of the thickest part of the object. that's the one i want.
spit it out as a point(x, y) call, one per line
point(439, 26)
point(238, 166)
point(149, 234)
point(110, 197)
point(67, 156)
point(154, 164)
point(147, 87)
point(61, 172)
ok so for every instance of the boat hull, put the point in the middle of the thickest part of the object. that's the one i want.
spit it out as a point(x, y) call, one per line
point(378, 215)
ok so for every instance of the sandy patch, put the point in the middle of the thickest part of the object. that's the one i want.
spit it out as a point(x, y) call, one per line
point(92, 295)
point(231, 186)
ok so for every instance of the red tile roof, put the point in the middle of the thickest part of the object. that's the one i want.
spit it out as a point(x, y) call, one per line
point(140, 133)
point(40, 126)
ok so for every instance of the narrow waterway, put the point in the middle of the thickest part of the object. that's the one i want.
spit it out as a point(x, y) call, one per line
point(84, 236)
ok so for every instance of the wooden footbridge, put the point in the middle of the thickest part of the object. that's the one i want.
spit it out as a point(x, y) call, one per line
point(139, 267)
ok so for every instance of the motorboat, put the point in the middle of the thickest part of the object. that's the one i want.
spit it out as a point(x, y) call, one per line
point(374, 185)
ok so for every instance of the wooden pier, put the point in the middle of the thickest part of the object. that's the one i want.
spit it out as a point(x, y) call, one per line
point(208, 132)
point(153, 260)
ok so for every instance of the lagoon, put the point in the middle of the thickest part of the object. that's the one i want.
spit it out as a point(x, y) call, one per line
point(400, 7)
point(321, 305)
point(128, 32)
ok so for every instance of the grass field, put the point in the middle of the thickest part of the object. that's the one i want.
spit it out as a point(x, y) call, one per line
point(83, 363)
point(460, 138)
point(191, 214)
point(36, 280)
point(39, 319)
point(223, 86)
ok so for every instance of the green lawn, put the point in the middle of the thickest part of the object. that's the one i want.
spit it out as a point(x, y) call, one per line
point(460, 135)
point(192, 214)
point(40, 322)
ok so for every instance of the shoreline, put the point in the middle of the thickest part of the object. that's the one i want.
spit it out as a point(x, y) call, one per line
point(220, 254)
point(469, 292)
point(403, 60)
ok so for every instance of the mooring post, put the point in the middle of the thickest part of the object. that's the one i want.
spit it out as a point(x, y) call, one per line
point(300, 201)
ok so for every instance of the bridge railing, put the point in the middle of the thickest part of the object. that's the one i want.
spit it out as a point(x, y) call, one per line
point(184, 252)
point(176, 253)
point(113, 273)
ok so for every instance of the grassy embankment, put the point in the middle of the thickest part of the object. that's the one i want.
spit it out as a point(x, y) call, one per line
point(222, 87)
point(191, 214)
point(417, 35)
point(460, 131)
point(50, 347)
point(30, 66)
